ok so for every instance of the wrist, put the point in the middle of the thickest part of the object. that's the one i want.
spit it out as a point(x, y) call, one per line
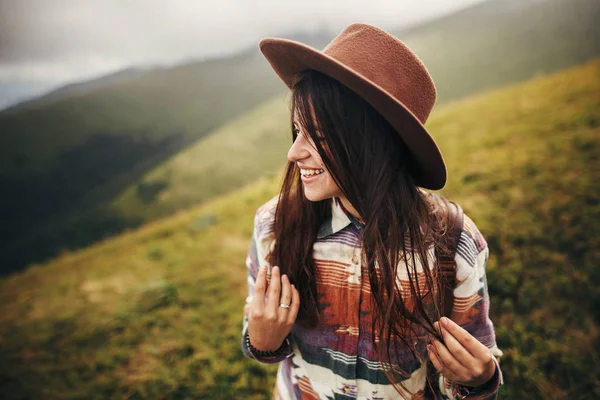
point(264, 353)
point(466, 391)
point(490, 372)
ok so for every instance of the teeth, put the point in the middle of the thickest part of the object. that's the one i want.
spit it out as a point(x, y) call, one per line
point(309, 172)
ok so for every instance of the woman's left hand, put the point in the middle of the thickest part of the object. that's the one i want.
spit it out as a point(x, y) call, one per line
point(462, 359)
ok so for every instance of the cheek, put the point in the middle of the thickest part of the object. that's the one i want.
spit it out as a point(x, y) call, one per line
point(318, 159)
point(330, 184)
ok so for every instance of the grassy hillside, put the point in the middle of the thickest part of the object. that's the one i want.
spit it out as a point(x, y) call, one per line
point(91, 160)
point(157, 312)
point(250, 146)
point(192, 98)
point(503, 41)
point(63, 158)
point(509, 33)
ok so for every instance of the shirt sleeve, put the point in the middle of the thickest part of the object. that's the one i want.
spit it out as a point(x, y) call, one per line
point(471, 310)
point(256, 258)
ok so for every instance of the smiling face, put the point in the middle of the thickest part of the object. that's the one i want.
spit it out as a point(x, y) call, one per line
point(318, 184)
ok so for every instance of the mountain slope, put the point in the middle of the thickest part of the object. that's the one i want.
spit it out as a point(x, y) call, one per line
point(75, 154)
point(157, 312)
point(248, 147)
point(503, 41)
point(91, 162)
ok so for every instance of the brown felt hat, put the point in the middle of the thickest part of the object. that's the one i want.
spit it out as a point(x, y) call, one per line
point(382, 70)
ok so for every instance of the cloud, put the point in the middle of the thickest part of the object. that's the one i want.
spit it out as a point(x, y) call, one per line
point(65, 40)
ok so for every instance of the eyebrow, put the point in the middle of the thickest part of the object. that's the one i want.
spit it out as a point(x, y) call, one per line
point(295, 125)
point(319, 135)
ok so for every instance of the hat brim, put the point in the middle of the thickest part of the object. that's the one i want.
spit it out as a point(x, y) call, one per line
point(288, 58)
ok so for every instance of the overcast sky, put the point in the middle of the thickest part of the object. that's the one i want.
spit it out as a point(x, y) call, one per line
point(45, 43)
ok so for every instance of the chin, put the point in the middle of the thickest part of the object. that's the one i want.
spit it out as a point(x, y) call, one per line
point(310, 196)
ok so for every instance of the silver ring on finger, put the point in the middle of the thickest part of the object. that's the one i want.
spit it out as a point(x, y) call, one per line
point(284, 305)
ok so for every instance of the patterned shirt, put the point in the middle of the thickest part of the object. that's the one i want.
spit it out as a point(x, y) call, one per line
point(336, 360)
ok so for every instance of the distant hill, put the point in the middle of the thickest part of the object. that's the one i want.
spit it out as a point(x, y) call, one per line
point(79, 88)
point(64, 156)
point(484, 46)
point(76, 150)
point(250, 146)
point(157, 312)
point(497, 42)
point(91, 160)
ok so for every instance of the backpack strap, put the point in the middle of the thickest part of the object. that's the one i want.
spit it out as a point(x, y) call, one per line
point(446, 264)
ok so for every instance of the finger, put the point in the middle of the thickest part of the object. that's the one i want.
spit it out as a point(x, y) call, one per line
point(274, 290)
point(294, 306)
point(438, 364)
point(461, 354)
point(286, 293)
point(260, 285)
point(447, 359)
point(477, 349)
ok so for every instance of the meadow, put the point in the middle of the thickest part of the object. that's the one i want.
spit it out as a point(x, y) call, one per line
point(96, 158)
point(157, 312)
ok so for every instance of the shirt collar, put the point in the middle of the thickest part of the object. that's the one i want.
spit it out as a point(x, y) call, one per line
point(340, 218)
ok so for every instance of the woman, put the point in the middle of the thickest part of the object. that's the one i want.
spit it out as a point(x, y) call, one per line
point(343, 289)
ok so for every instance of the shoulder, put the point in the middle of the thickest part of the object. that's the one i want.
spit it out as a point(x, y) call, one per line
point(471, 234)
point(263, 235)
point(472, 250)
point(267, 209)
point(264, 217)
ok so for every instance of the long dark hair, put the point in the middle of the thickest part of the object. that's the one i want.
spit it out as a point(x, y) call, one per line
point(372, 167)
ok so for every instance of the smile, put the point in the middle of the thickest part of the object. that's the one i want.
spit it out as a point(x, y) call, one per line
point(310, 172)
point(310, 175)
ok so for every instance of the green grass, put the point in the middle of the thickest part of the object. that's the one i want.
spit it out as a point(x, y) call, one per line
point(496, 43)
point(192, 98)
point(515, 49)
point(248, 147)
point(157, 312)
point(77, 152)
point(153, 312)
point(105, 157)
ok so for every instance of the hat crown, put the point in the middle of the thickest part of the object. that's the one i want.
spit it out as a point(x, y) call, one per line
point(388, 63)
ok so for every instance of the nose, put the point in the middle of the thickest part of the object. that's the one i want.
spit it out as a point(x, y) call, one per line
point(299, 150)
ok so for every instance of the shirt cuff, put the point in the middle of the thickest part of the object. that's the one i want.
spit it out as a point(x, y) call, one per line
point(285, 351)
point(486, 391)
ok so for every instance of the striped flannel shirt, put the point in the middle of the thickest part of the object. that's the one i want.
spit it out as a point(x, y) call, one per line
point(336, 360)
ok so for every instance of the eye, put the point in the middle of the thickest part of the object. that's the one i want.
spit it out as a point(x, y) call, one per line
point(296, 132)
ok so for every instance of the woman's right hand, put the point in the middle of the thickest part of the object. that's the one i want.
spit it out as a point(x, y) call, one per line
point(268, 323)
